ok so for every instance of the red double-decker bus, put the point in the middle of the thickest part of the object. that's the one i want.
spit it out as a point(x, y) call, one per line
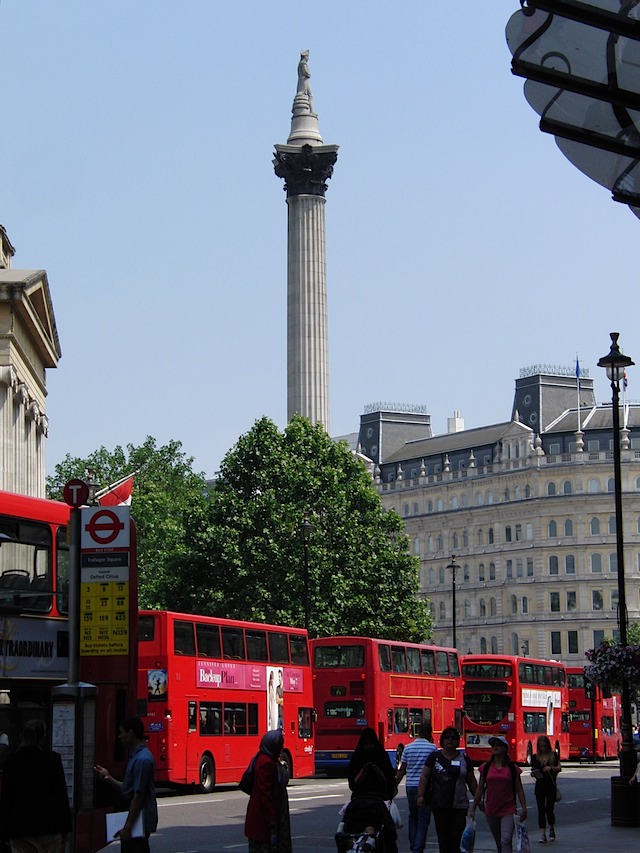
point(518, 698)
point(389, 686)
point(34, 641)
point(594, 719)
point(210, 688)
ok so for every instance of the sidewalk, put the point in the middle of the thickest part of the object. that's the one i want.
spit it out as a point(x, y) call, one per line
point(593, 836)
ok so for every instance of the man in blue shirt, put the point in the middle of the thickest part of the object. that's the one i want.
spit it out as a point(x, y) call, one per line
point(137, 788)
point(413, 758)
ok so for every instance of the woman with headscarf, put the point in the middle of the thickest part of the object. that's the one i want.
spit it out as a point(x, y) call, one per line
point(369, 750)
point(267, 822)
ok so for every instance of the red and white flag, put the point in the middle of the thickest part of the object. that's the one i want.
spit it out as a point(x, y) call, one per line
point(119, 494)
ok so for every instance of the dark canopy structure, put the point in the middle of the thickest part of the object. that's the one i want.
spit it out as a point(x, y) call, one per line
point(581, 61)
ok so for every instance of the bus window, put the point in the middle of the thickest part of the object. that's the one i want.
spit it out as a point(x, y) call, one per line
point(253, 718)
point(192, 716)
point(442, 663)
point(401, 721)
point(26, 559)
point(329, 657)
point(389, 721)
point(413, 661)
point(415, 720)
point(428, 662)
point(305, 718)
point(183, 639)
point(535, 722)
point(232, 644)
point(146, 629)
point(278, 647)
point(256, 645)
point(211, 718)
point(454, 664)
point(235, 719)
point(299, 650)
point(384, 658)
point(208, 637)
point(62, 568)
point(398, 659)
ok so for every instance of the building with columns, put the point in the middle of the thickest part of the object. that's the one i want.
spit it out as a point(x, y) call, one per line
point(306, 164)
point(29, 345)
point(527, 508)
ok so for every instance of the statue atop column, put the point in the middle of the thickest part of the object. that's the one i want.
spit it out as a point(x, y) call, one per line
point(304, 75)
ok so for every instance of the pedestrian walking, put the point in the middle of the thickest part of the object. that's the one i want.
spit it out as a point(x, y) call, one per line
point(500, 785)
point(413, 758)
point(34, 808)
point(137, 789)
point(545, 766)
point(369, 750)
point(267, 824)
point(445, 777)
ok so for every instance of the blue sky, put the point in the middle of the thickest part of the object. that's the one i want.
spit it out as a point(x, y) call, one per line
point(136, 169)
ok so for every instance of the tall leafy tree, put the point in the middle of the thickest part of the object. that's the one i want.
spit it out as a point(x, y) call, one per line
point(169, 499)
point(249, 560)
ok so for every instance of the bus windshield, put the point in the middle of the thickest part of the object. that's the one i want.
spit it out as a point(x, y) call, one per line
point(338, 656)
point(486, 708)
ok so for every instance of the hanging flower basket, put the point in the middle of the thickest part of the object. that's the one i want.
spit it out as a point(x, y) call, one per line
point(611, 664)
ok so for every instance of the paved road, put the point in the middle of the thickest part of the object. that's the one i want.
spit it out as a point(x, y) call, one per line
point(214, 823)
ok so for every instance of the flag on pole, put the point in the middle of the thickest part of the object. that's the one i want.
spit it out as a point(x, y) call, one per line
point(624, 381)
point(119, 494)
point(577, 368)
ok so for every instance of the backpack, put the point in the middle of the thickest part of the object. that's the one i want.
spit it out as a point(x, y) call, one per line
point(246, 782)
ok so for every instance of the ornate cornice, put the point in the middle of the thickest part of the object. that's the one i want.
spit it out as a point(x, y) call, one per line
point(305, 170)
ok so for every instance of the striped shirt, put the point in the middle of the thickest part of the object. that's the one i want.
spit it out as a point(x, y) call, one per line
point(414, 756)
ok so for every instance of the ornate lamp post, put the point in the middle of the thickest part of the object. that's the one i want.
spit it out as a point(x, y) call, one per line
point(306, 529)
point(615, 364)
point(454, 568)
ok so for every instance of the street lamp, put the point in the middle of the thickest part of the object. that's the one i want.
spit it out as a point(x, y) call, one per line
point(306, 529)
point(454, 568)
point(616, 363)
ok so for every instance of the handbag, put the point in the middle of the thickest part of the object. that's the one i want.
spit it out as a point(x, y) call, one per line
point(522, 844)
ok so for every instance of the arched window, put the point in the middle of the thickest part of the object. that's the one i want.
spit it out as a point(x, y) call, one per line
point(480, 497)
point(514, 604)
point(405, 510)
point(516, 493)
point(595, 526)
point(432, 610)
point(429, 506)
point(493, 608)
point(489, 497)
point(431, 545)
point(483, 645)
point(415, 509)
point(596, 563)
point(481, 572)
point(570, 564)
point(432, 577)
point(568, 527)
point(443, 611)
point(465, 574)
point(594, 486)
point(454, 502)
point(416, 546)
point(439, 541)
point(480, 535)
point(528, 531)
point(612, 524)
point(467, 609)
point(492, 571)
point(494, 645)
point(525, 604)
point(491, 536)
point(454, 540)
point(551, 488)
point(553, 530)
point(566, 487)
point(611, 484)
point(506, 495)
point(441, 574)
point(527, 491)
point(465, 501)
point(465, 539)
point(483, 608)
point(553, 565)
point(515, 644)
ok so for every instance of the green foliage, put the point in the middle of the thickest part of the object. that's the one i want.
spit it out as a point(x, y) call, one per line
point(168, 499)
point(248, 561)
point(633, 633)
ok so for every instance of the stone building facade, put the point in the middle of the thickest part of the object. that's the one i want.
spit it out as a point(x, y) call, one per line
point(527, 508)
point(29, 344)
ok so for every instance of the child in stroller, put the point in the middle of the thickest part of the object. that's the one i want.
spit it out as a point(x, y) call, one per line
point(367, 825)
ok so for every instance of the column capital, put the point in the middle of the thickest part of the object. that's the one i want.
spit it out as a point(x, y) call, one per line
point(305, 169)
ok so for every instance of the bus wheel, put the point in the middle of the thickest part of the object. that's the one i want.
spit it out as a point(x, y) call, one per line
point(529, 757)
point(207, 775)
point(399, 751)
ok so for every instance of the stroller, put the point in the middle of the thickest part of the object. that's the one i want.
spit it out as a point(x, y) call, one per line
point(367, 826)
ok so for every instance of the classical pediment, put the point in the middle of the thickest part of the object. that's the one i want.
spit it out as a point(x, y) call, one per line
point(28, 293)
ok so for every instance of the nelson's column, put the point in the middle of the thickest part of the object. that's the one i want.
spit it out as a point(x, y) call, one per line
point(306, 164)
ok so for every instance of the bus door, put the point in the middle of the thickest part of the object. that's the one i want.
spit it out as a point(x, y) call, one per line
point(192, 740)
